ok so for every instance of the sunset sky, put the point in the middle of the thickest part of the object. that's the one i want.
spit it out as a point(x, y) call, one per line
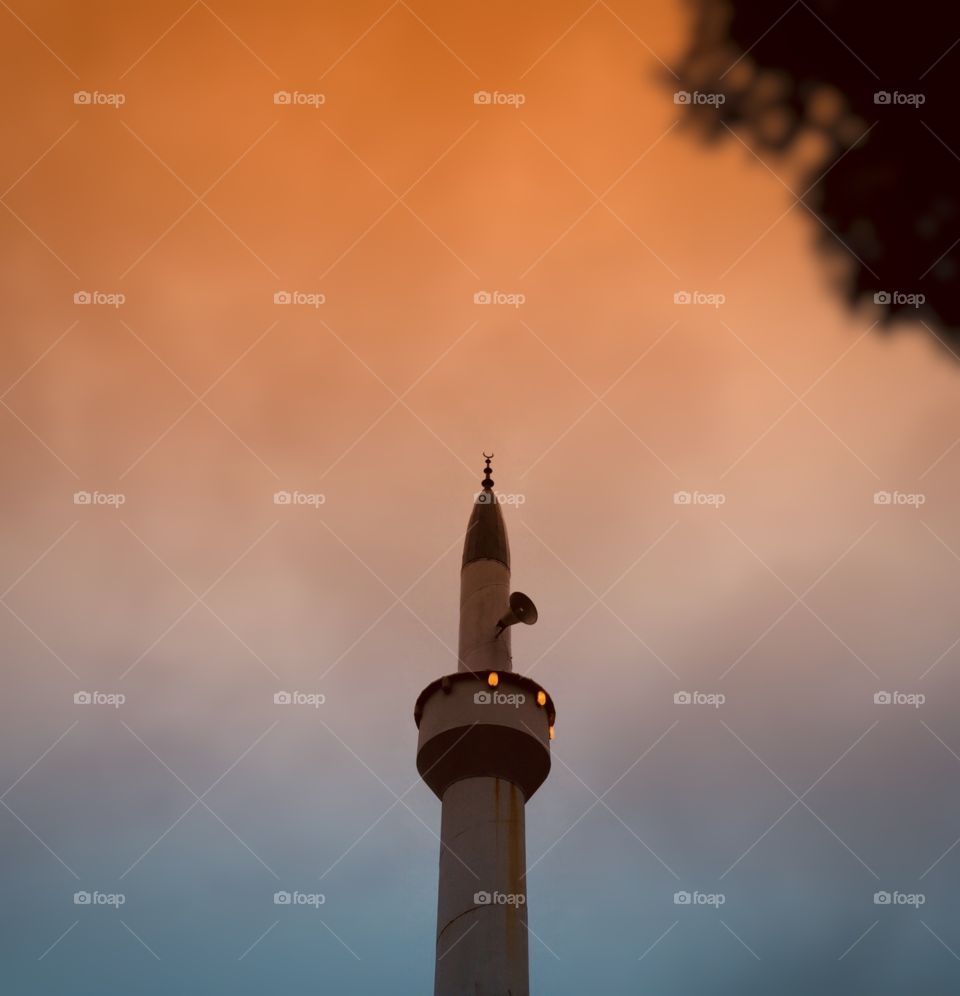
point(189, 207)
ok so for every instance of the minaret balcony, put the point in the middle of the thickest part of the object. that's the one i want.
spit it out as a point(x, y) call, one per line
point(476, 724)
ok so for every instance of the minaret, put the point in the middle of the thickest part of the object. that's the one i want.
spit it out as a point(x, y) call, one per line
point(484, 749)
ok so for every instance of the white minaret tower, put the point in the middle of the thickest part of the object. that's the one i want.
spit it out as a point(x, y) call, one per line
point(484, 749)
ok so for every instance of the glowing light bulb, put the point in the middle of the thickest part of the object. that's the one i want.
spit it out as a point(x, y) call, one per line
point(493, 679)
point(541, 697)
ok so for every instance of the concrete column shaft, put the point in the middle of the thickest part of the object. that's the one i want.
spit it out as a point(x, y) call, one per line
point(484, 598)
point(481, 912)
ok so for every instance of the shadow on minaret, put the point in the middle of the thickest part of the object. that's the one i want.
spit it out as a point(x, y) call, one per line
point(875, 85)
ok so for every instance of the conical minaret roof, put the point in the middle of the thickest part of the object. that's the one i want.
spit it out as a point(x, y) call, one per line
point(486, 533)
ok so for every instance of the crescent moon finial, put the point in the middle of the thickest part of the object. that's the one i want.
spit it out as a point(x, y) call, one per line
point(487, 482)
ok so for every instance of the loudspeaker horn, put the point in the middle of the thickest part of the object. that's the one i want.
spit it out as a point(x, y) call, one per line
point(522, 610)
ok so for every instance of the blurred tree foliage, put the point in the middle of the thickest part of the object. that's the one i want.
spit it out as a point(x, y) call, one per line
point(875, 85)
